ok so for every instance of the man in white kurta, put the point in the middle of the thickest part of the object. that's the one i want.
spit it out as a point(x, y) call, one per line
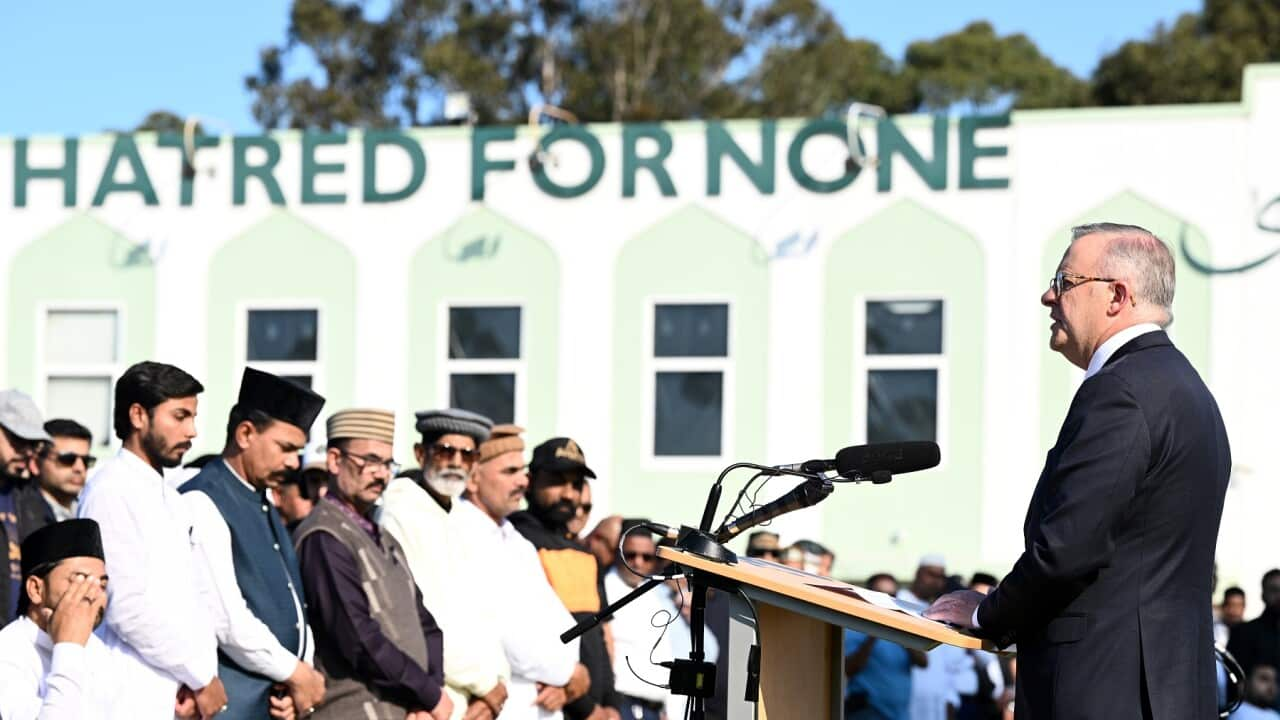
point(156, 628)
point(505, 582)
point(415, 510)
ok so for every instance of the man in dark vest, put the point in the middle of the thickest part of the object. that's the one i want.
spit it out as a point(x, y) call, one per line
point(248, 574)
point(380, 649)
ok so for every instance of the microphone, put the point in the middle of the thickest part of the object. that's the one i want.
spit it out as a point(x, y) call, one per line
point(894, 458)
point(807, 493)
point(864, 460)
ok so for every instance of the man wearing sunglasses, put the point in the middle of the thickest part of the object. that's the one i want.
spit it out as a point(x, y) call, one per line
point(1109, 602)
point(415, 510)
point(22, 508)
point(63, 465)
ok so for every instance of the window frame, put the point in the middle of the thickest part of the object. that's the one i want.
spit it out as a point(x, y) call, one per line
point(112, 370)
point(864, 364)
point(651, 365)
point(314, 368)
point(519, 366)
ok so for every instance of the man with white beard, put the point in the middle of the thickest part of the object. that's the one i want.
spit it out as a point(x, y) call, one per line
point(414, 510)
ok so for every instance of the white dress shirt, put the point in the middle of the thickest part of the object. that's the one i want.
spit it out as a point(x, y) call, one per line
point(1114, 343)
point(157, 630)
point(241, 635)
point(474, 660)
point(506, 583)
point(637, 630)
point(66, 681)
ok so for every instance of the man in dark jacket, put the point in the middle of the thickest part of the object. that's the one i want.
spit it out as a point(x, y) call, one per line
point(557, 474)
point(1110, 602)
point(22, 509)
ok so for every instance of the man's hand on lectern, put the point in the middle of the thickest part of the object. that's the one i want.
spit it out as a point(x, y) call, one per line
point(955, 608)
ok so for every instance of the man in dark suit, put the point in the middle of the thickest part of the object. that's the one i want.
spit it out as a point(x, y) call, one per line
point(1110, 603)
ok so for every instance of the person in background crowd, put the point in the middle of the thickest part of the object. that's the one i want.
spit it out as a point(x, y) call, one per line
point(162, 640)
point(1229, 615)
point(1259, 696)
point(936, 688)
point(63, 465)
point(22, 508)
point(249, 575)
point(415, 510)
point(878, 671)
point(764, 545)
point(558, 473)
point(602, 541)
point(634, 634)
point(380, 649)
point(506, 583)
point(52, 666)
point(793, 557)
point(581, 512)
point(986, 702)
point(299, 490)
point(1257, 642)
point(813, 557)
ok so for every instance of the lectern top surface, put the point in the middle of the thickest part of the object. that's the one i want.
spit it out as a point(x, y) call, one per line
point(842, 599)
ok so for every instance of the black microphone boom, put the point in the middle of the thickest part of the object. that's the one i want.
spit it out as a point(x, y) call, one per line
point(894, 458)
point(810, 492)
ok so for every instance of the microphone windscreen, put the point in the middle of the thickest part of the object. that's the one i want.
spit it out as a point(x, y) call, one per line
point(895, 458)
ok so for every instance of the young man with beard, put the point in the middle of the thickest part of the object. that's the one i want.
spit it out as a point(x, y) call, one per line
point(505, 583)
point(415, 509)
point(22, 509)
point(558, 475)
point(158, 631)
point(249, 575)
point(52, 666)
point(378, 646)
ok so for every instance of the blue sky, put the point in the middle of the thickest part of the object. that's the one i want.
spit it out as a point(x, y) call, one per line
point(73, 67)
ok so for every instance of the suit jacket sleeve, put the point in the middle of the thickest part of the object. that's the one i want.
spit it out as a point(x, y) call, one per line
point(1090, 477)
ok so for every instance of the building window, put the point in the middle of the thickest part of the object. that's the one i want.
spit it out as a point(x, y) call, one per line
point(905, 369)
point(484, 364)
point(284, 342)
point(690, 365)
point(81, 360)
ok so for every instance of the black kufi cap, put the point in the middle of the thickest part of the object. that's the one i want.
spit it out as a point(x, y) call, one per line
point(280, 399)
point(59, 541)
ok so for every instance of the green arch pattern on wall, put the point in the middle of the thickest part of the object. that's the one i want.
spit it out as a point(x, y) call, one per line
point(262, 266)
point(81, 261)
point(484, 258)
point(888, 527)
point(1191, 303)
point(690, 255)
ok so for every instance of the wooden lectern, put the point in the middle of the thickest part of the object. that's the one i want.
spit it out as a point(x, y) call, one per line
point(798, 619)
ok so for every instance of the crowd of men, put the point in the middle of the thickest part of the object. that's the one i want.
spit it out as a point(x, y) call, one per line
point(279, 579)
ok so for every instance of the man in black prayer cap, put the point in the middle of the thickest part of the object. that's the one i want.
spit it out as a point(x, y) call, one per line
point(52, 666)
point(249, 576)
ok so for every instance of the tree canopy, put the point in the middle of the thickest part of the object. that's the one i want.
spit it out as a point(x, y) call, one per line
point(639, 60)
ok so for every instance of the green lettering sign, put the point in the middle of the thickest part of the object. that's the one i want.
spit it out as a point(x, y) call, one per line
point(311, 167)
point(24, 173)
point(124, 148)
point(373, 139)
point(187, 169)
point(970, 151)
point(891, 141)
point(579, 134)
point(632, 162)
point(795, 157)
point(241, 170)
point(720, 143)
point(480, 165)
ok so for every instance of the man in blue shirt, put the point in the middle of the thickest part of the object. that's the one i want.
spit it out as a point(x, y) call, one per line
point(879, 671)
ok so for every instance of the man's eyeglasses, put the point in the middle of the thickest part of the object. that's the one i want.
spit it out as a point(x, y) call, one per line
point(633, 556)
point(364, 463)
point(68, 459)
point(444, 451)
point(1064, 281)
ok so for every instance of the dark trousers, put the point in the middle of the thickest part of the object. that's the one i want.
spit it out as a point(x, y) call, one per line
point(634, 708)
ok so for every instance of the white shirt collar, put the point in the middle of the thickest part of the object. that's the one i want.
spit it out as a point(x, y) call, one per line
point(236, 475)
point(1114, 343)
point(139, 464)
point(481, 518)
